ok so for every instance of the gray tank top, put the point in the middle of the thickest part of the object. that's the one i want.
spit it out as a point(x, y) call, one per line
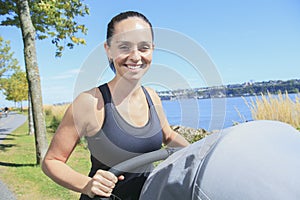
point(118, 140)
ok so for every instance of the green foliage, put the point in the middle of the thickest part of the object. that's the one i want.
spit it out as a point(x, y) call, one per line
point(8, 63)
point(54, 123)
point(190, 134)
point(16, 87)
point(48, 112)
point(8, 66)
point(53, 19)
point(197, 138)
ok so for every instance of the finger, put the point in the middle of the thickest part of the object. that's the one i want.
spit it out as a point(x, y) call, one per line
point(103, 181)
point(103, 187)
point(121, 178)
point(100, 189)
point(99, 192)
point(108, 175)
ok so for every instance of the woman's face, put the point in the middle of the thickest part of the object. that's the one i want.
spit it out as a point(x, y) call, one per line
point(131, 48)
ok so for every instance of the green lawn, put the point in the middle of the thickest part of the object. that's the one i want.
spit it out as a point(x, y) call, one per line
point(24, 178)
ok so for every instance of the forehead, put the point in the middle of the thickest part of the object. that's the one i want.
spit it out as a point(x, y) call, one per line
point(132, 28)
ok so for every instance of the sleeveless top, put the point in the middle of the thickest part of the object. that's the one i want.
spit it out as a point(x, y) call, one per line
point(118, 141)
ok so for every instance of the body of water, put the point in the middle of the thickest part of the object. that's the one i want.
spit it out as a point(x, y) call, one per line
point(210, 114)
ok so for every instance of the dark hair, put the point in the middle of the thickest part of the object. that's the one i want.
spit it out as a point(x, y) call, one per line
point(118, 18)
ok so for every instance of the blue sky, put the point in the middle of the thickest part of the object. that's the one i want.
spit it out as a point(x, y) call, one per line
point(255, 40)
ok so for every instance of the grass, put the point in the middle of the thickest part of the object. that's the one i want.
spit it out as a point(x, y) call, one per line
point(24, 178)
point(276, 107)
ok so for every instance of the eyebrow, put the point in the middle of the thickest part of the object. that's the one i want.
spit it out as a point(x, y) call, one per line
point(125, 41)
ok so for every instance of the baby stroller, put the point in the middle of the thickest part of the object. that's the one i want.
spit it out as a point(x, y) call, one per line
point(250, 161)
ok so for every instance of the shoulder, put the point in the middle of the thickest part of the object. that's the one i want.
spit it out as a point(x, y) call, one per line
point(86, 107)
point(86, 104)
point(154, 96)
point(88, 99)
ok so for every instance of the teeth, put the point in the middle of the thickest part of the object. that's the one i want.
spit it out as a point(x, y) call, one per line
point(133, 67)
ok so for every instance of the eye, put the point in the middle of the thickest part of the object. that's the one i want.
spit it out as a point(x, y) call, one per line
point(124, 47)
point(144, 47)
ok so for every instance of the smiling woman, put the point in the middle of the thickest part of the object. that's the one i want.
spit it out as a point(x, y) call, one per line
point(130, 49)
point(120, 119)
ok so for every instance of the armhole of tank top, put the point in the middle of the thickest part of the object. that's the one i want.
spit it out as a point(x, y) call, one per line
point(101, 88)
point(148, 97)
point(104, 90)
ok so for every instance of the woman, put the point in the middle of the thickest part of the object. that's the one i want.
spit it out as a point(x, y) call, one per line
point(120, 119)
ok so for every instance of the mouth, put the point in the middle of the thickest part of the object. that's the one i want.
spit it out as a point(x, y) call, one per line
point(135, 67)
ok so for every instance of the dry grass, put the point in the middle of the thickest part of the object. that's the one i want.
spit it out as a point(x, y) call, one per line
point(56, 110)
point(276, 107)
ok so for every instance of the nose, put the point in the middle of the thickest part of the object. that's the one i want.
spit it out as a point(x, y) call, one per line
point(135, 55)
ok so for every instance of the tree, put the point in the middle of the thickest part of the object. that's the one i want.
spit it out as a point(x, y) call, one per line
point(55, 19)
point(15, 87)
point(8, 64)
point(30, 117)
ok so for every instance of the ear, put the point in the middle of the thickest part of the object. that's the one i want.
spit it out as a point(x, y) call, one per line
point(107, 49)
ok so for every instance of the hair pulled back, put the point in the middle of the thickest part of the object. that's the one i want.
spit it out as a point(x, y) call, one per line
point(119, 18)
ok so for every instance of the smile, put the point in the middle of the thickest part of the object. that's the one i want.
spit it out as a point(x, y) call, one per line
point(135, 66)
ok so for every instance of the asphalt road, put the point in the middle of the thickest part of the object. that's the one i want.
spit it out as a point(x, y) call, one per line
point(7, 125)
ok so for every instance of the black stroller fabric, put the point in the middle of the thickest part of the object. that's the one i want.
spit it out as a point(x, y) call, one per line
point(250, 161)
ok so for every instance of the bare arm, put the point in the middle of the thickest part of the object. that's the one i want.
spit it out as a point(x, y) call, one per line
point(171, 138)
point(61, 147)
point(79, 120)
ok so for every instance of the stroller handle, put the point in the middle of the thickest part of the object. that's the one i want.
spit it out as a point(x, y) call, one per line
point(140, 161)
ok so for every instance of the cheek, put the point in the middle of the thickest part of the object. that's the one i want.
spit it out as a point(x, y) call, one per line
point(119, 58)
point(114, 54)
point(148, 58)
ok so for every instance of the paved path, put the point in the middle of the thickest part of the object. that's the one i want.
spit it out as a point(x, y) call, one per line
point(7, 125)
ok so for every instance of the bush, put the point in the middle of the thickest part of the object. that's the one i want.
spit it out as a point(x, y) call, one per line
point(54, 123)
point(48, 112)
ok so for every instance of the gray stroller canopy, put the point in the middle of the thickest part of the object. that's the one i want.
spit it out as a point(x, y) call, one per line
point(253, 160)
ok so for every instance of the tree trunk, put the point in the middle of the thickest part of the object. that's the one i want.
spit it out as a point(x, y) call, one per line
point(30, 117)
point(32, 70)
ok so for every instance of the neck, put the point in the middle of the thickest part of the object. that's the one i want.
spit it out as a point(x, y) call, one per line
point(122, 88)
